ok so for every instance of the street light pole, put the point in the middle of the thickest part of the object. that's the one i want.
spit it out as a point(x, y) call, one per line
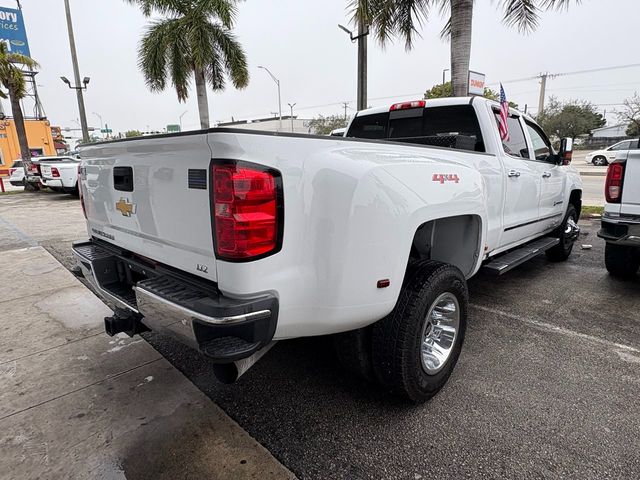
point(443, 76)
point(76, 73)
point(361, 38)
point(101, 122)
point(279, 97)
point(182, 115)
point(291, 105)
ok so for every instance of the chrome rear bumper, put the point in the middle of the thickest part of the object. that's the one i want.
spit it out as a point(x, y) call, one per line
point(194, 313)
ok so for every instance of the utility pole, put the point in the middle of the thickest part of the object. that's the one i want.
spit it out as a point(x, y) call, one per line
point(291, 105)
point(543, 88)
point(346, 105)
point(76, 73)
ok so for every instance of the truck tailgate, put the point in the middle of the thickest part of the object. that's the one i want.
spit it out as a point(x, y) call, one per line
point(631, 187)
point(150, 196)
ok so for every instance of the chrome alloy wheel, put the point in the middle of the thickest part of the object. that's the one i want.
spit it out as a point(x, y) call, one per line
point(439, 333)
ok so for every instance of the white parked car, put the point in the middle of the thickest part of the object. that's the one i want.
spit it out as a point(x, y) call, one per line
point(338, 132)
point(607, 155)
point(16, 174)
point(372, 236)
point(60, 175)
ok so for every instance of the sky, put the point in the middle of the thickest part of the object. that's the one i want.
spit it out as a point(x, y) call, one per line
point(299, 41)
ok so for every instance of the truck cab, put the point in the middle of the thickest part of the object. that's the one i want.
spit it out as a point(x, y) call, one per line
point(529, 186)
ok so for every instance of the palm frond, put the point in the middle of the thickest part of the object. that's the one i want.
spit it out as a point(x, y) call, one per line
point(522, 14)
point(445, 33)
point(231, 54)
point(224, 10)
point(155, 48)
point(28, 62)
point(163, 7)
point(557, 4)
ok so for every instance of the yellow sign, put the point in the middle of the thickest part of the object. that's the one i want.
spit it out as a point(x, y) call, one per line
point(125, 207)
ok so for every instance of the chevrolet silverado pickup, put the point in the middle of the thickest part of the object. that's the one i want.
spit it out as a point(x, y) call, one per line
point(621, 218)
point(229, 240)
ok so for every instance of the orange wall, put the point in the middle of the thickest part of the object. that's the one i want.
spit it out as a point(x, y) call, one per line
point(38, 136)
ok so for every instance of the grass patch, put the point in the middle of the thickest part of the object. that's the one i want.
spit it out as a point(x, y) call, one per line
point(591, 210)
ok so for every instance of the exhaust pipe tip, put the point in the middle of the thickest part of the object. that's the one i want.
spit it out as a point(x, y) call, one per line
point(229, 373)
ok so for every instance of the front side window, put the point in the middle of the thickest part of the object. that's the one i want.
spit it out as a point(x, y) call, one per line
point(516, 145)
point(539, 141)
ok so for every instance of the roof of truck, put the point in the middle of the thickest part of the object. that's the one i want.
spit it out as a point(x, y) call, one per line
point(439, 102)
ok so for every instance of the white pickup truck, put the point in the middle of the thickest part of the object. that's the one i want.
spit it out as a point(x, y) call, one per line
point(230, 239)
point(621, 219)
point(61, 175)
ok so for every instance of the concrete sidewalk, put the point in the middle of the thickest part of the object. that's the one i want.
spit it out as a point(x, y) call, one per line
point(77, 404)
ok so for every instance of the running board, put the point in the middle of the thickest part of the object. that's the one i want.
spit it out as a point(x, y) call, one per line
point(503, 263)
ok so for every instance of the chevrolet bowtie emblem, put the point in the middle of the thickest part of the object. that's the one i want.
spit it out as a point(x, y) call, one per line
point(125, 207)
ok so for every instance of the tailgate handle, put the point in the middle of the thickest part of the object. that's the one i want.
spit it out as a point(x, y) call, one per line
point(123, 179)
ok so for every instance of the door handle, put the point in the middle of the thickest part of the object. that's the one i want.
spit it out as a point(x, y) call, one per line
point(513, 173)
point(546, 175)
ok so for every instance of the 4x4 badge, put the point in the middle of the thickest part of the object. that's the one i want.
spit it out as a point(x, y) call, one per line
point(125, 207)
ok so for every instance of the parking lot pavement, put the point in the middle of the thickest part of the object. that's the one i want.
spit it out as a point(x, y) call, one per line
point(77, 404)
point(547, 387)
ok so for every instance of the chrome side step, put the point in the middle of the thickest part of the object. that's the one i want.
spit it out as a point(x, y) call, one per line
point(504, 263)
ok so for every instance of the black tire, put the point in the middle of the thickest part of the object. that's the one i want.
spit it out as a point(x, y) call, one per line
point(622, 261)
point(56, 189)
point(72, 191)
point(397, 339)
point(600, 161)
point(30, 187)
point(354, 352)
point(562, 251)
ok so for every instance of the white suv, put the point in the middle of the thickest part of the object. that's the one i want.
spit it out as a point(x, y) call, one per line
point(606, 156)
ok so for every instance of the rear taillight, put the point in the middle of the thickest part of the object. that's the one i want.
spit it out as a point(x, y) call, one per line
point(613, 183)
point(55, 172)
point(33, 168)
point(12, 171)
point(407, 105)
point(247, 211)
point(79, 186)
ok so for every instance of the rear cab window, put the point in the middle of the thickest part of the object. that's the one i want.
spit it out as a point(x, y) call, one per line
point(454, 126)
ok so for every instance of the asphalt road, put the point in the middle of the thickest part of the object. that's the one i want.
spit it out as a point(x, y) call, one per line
point(593, 190)
point(547, 385)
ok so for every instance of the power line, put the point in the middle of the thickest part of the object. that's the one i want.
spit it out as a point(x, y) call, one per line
point(564, 74)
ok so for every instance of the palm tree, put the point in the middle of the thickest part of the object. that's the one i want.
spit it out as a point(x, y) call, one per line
point(402, 18)
point(194, 38)
point(12, 79)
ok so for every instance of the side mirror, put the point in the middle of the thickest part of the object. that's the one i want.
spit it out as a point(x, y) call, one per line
point(566, 151)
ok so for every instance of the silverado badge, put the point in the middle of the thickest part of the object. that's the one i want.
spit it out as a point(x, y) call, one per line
point(125, 207)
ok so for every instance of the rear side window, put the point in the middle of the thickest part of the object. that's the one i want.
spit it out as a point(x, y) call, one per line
point(516, 145)
point(17, 164)
point(453, 126)
point(370, 126)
